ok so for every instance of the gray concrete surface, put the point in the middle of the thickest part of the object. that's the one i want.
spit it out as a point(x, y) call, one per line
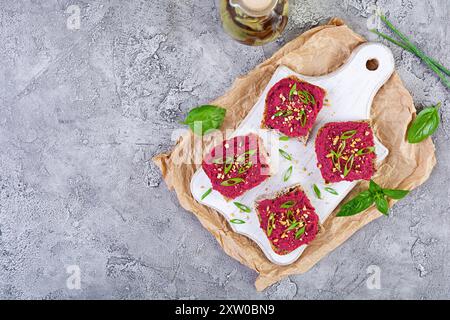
point(83, 111)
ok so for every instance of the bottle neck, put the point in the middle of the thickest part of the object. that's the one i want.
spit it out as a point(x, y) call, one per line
point(255, 8)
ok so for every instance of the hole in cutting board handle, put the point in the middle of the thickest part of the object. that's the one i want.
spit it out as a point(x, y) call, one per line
point(372, 64)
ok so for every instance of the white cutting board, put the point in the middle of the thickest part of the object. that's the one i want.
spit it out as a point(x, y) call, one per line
point(350, 91)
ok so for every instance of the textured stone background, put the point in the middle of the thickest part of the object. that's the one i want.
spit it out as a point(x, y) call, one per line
point(83, 111)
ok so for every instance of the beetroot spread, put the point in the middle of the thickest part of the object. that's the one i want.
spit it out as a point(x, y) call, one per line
point(237, 165)
point(292, 107)
point(346, 151)
point(289, 220)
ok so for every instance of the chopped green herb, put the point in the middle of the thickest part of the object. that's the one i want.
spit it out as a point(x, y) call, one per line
point(349, 165)
point(270, 223)
point(284, 138)
point(287, 174)
point(231, 182)
point(288, 204)
point(303, 117)
point(206, 193)
point(283, 113)
point(227, 168)
point(348, 134)
point(293, 91)
point(300, 232)
point(366, 150)
point(285, 155)
point(331, 190)
point(242, 157)
point(245, 168)
point(242, 207)
point(237, 221)
point(317, 191)
point(293, 226)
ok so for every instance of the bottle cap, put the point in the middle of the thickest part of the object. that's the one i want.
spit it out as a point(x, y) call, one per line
point(255, 8)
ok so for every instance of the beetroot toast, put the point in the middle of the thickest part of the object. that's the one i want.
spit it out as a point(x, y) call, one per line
point(292, 107)
point(346, 151)
point(288, 219)
point(237, 165)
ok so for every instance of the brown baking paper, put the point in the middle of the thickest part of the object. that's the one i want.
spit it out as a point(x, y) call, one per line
point(316, 52)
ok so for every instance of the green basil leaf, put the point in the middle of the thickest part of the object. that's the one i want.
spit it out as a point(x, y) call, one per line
point(331, 190)
point(206, 193)
point(231, 182)
point(284, 138)
point(237, 221)
point(300, 232)
point(285, 155)
point(357, 205)
point(317, 191)
point(288, 204)
point(424, 125)
point(204, 118)
point(374, 188)
point(395, 194)
point(287, 174)
point(242, 207)
point(382, 204)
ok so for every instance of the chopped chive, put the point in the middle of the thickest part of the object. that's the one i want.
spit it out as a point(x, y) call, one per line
point(227, 168)
point(293, 90)
point(285, 155)
point(237, 221)
point(341, 148)
point(331, 190)
point(231, 182)
point(288, 204)
point(242, 207)
point(284, 138)
point(300, 232)
point(292, 226)
point(245, 168)
point(366, 150)
point(241, 158)
point(349, 165)
point(303, 117)
point(348, 134)
point(206, 193)
point(270, 224)
point(317, 191)
point(287, 174)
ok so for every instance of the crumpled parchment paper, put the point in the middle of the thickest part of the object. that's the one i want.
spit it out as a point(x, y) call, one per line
point(316, 52)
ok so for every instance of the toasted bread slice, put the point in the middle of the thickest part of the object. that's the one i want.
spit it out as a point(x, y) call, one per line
point(237, 165)
point(346, 151)
point(288, 219)
point(292, 106)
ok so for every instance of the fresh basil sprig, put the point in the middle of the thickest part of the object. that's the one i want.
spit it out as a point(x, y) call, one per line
point(204, 118)
point(367, 198)
point(424, 125)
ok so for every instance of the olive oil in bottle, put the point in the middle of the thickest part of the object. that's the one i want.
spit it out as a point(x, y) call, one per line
point(254, 22)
